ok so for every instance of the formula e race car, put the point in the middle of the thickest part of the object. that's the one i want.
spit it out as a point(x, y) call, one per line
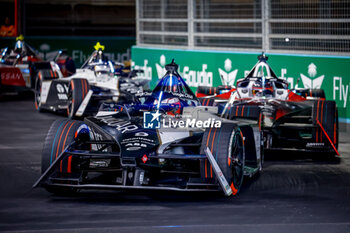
point(20, 66)
point(301, 119)
point(167, 142)
point(81, 94)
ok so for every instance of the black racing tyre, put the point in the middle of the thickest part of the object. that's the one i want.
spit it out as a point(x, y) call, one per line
point(227, 146)
point(60, 135)
point(252, 112)
point(326, 113)
point(243, 111)
point(206, 90)
point(37, 92)
point(207, 101)
point(318, 93)
point(337, 129)
point(77, 90)
point(48, 74)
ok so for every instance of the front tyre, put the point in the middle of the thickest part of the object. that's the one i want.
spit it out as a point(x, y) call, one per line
point(60, 135)
point(227, 146)
point(77, 91)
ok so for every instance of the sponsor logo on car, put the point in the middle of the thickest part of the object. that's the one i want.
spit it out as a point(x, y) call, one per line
point(62, 90)
point(314, 144)
point(120, 125)
point(12, 76)
point(141, 134)
point(7, 76)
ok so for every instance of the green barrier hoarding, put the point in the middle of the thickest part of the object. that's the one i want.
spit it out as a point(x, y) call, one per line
point(79, 48)
point(212, 68)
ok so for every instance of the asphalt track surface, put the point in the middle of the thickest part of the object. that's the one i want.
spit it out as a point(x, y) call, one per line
point(294, 193)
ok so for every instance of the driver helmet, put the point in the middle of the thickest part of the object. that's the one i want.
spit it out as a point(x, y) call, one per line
point(99, 57)
point(171, 106)
point(19, 47)
point(103, 73)
point(259, 89)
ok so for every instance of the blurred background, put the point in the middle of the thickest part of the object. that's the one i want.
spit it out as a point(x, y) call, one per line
point(313, 26)
point(73, 25)
point(71, 17)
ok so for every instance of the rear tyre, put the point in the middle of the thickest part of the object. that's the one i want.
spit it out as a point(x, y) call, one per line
point(207, 101)
point(78, 89)
point(318, 93)
point(252, 112)
point(60, 135)
point(326, 113)
point(227, 146)
point(201, 90)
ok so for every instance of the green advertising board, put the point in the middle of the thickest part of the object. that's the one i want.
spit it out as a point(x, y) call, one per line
point(211, 68)
point(79, 48)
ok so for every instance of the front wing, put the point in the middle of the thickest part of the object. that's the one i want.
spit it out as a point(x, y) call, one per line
point(134, 172)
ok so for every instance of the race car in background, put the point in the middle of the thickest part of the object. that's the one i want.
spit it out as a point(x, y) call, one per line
point(128, 147)
point(98, 80)
point(65, 63)
point(300, 119)
point(20, 66)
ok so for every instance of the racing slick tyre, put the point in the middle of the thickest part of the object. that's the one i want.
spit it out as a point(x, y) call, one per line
point(60, 135)
point(77, 90)
point(207, 101)
point(243, 111)
point(201, 90)
point(325, 114)
point(318, 93)
point(40, 77)
point(227, 146)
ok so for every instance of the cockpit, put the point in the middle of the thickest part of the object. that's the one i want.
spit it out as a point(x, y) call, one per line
point(21, 51)
point(262, 82)
point(99, 63)
point(169, 97)
point(171, 93)
point(103, 72)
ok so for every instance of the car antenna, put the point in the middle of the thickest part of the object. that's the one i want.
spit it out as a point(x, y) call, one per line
point(172, 67)
point(263, 56)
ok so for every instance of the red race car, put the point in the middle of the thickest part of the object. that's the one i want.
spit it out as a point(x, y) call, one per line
point(19, 67)
point(296, 120)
